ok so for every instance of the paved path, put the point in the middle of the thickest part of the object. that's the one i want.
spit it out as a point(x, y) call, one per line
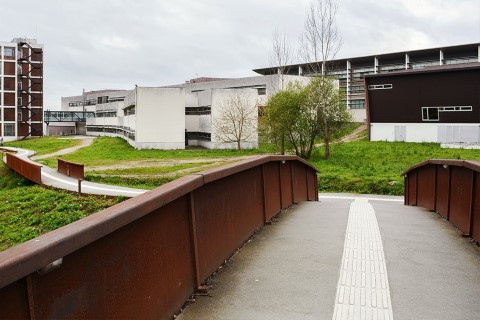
point(50, 177)
point(86, 141)
point(348, 257)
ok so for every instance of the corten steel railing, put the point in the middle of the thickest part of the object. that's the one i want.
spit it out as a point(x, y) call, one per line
point(29, 170)
point(450, 188)
point(144, 257)
point(71, 169)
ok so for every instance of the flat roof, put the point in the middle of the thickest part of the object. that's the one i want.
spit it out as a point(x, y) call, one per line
point(431, 69)
point(393, 55)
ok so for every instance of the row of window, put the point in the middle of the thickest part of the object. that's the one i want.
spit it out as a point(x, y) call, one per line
point(380, 86)
point(433, 113)
point(201, 136)
point(198, 110)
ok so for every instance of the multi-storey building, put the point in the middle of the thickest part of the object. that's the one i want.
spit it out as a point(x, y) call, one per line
point(351, 71)
point(168, 117)
point(21, 89)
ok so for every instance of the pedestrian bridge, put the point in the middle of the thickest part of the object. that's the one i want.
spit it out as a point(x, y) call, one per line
point(303, 256)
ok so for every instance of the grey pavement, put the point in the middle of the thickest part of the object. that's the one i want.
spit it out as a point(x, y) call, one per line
point(291, 268)
point(52, 178)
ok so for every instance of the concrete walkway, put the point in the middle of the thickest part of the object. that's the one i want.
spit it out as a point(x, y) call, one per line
point(50, 177)
point(348, 257)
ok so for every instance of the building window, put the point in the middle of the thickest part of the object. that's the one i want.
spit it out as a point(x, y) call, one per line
point(262, 91)
point(380, 86)
point(9, 130)
point(198, 110)
point(103, 99)
point(9, 53)
point(357, 104)
point(433, 113)
point(129, 110)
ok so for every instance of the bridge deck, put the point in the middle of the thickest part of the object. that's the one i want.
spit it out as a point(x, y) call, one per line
point(298, 267)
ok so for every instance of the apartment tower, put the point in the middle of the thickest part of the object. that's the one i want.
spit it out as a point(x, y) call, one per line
point(21, 89)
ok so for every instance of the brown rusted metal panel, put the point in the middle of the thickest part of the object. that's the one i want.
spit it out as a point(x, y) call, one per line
point(142, 258)
point(299, 182)
point(476, 208)
point(9, 68)
point(460, 197)
point(227, 213)
point(272, 189)
point(426, 187)
point(312, 185)
point(412, 188)
point(141, 271)
point(286, 184)
point(14, 301)
point(443, 190)
point(71, 169)
point(29, 170)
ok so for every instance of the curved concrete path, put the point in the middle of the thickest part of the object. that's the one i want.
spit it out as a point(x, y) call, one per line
point(50, 177)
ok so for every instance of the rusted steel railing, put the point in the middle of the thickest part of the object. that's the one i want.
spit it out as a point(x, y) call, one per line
point(144, 257)
point(71, 169)
point(450, 188)
point(28, 169)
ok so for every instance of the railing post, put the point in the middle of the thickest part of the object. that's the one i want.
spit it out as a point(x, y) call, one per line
point(79, 187)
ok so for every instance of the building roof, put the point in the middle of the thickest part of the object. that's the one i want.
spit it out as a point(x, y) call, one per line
point(430, 69)
point(386, 56)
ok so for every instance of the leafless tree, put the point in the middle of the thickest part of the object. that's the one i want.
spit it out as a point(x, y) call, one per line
point(237, 120)
point(321, 39)
point(281, 55)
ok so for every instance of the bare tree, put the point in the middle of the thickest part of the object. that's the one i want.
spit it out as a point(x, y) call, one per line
point(321, 40)
point(281, 55)
point(237, 120)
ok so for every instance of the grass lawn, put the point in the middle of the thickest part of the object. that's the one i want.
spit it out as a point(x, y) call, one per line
point(375, 167)
point(44, 145)
point(28, 210)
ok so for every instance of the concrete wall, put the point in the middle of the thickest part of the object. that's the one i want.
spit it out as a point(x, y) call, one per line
point(160, 115)
point(425, 132)
point(221, 101)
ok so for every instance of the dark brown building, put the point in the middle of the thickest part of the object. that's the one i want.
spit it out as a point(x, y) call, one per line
point(21, 94)
point(430, 104)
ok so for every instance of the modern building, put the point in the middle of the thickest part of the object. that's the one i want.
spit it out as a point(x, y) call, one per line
point(21, 89)
point(432, 104)
point(352, 71)
point(168, 117)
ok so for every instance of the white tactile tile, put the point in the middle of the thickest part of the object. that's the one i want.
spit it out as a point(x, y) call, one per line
point(363, 291)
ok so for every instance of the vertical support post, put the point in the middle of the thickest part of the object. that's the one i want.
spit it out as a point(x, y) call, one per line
point(79, 187)
point(405, 189)
point(292, 185)
point(375, 65)
point(441, 58)
point(30, 297)
point(264, 196)
point(472, 204)
point(280, 183)
point(407, 60)
point(349, 66)
point(300, 71)
point(193, 240)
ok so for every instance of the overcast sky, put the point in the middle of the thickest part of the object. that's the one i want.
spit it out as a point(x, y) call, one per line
point(100, 44)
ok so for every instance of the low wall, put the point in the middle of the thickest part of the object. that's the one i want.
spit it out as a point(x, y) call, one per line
point(144, 257)
point(28, 169)
point(71, 169)
point(449, 187)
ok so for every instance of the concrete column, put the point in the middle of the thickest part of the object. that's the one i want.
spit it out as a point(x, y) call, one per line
point(441, 58)
point(375, 65)
point(478, 53)
point(300, 71)
point(407, 60)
